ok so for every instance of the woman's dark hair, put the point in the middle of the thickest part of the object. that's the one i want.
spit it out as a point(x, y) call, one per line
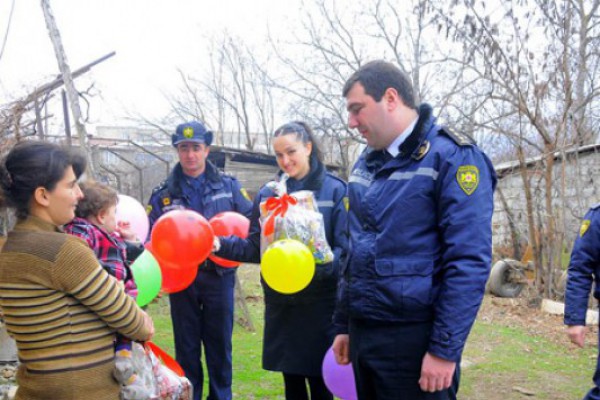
point(303, 133)
point(34, 164)
point(96, 197)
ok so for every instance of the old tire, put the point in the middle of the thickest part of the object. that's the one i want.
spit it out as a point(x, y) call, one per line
point(499, 283)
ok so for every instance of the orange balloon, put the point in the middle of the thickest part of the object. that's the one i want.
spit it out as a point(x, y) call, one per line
point(225, 224)
point(182, 238)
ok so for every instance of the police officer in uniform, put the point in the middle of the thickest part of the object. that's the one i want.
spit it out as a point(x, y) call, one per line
point(584, 268)
point(420, 210)
point(202, 314)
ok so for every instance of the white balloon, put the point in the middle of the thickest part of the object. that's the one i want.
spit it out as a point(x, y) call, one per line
point(130, 210)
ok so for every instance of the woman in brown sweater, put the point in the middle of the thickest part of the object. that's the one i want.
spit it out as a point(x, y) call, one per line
point(61, 307)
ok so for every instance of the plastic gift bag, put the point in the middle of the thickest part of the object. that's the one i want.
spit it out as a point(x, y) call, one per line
point(294, 216)
point(143, 385)
point(172, 385)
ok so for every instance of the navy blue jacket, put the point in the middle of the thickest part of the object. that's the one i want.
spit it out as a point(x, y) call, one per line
point(583, 268)
point(329, 192)
point(420, 235)
point(221, 193)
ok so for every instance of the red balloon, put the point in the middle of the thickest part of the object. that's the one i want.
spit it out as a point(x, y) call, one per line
point(182, 238)
point(174, 277)
point(225, 224)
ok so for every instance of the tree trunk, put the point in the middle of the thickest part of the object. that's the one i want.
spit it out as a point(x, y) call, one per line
point(551, 223)
point(515, 236)
point(533, 237)
point(245, 320)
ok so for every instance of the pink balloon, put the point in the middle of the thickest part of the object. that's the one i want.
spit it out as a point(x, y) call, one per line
point(130, 210)
point(339, 379)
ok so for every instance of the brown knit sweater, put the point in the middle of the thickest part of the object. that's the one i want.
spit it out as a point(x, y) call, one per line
point(63, 310)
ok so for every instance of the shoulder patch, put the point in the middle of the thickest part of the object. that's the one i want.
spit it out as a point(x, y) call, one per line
point(245, 194)
point(461, 139)
point(584, 227)
point(467, 177)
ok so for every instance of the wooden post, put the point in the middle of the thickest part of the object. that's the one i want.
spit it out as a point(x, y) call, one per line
point(65, 71)
point(66, 116)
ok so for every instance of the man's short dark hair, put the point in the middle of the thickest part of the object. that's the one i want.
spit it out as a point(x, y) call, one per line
point(378, 76)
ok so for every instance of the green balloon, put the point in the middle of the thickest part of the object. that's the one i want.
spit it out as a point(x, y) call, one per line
point(147, 277)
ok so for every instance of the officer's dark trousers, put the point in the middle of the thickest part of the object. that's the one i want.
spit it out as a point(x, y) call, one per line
point(203, 315)
point(387, 360)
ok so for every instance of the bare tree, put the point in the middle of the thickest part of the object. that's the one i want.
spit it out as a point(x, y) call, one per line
point(534, 70)
point(234, 95)
point(335, 41)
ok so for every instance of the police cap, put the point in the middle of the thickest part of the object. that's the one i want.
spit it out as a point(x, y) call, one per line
point(192, 131)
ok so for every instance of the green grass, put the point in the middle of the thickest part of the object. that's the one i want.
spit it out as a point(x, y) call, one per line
point(502, 358)
point(506, 357)
point(250, 381)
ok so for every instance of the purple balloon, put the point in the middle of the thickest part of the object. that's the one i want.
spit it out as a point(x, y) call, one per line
point(339, 379)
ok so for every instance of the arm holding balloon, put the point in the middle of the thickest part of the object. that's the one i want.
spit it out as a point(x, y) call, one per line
point(124, 230)
point(244, 250)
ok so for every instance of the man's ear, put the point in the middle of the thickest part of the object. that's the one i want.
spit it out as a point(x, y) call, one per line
point(41, 196)
point(391, 98)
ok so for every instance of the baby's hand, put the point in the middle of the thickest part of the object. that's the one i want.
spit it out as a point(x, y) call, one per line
point(125, 231)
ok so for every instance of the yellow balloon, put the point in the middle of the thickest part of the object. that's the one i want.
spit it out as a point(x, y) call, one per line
point(287, 266)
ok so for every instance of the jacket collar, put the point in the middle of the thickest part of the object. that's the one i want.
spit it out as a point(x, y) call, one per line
point(175, 179)
point(375, 159)
point(424, 124)
point(312, 181)
point(33, 223)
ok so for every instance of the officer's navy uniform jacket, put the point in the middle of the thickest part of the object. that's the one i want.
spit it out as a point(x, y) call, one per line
point(584, 268)
point(219, 193)
point(299, 327)
point(420, 235)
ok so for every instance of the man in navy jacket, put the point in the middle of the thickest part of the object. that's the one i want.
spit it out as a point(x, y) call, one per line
point(420, 209)
point(202, 314)
point(583, 269)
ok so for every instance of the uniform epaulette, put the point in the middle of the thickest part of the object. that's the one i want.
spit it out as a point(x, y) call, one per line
point(227, 174)
point(461, 139)
point(595, 206)
point(160, 187)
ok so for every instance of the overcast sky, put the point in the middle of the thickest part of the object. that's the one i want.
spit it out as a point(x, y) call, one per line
point(152, 39)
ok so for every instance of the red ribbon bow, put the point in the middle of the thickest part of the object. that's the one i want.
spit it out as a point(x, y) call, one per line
point(279, 206)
